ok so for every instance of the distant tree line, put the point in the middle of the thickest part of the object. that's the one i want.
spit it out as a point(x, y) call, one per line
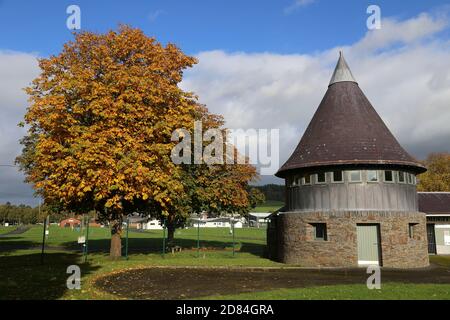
point(272, 192)
point(18, 214)
point(24, 214)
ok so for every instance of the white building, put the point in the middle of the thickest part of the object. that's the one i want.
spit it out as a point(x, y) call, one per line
point(153, 224)
point(258, 219)
point(216, 222)
point(144, 223)
point(437, 207)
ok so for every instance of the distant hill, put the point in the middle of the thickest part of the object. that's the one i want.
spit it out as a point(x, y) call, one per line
point(273, 192)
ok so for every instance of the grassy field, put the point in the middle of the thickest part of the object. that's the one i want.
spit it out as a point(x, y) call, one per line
point(388, 291)
point(269, 206)
point(4, 229)
point(23, 276)
point(246, 239)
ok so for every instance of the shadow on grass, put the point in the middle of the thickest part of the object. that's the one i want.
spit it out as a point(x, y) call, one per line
point(24, 278)
point(137, 244)
point(10, 244)
point(155, 245)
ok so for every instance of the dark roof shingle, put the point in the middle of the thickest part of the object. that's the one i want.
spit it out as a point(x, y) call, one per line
point(346, 130)
point(434, 202)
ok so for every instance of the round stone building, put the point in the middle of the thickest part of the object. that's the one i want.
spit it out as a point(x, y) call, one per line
point(351, 195)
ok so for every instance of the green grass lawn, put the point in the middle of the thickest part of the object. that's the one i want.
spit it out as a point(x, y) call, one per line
point(388, 291)
point(4, 229)
point(441, 260)
point(269, 206)
point(23, 276)
point(246, 239)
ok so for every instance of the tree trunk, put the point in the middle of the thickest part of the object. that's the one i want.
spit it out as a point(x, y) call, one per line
point(170, 234)
point(116, 241)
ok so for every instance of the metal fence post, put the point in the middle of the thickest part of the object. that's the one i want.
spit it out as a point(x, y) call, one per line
point(198, 238)
point(86, 240)
point(43, 240)
point(232, 221)
point(164, 239)
point(126, 241)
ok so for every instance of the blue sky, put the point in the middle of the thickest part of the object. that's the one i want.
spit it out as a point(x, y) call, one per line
point(201, 25)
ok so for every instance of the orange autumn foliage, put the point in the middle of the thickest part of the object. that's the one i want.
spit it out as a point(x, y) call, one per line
point(103, 112)
point(100, 119)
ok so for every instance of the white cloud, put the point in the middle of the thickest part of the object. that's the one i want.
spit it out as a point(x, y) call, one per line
point(297, 4)
point(395, 32)
point(404, 69)
point(17, 71)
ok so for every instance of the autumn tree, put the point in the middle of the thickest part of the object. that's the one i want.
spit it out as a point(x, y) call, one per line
point(256, 197)
point(219, 188)
point(100, 120)
point(437, 178)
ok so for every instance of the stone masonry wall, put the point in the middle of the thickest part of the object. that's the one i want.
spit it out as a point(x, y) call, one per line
point(295, 242)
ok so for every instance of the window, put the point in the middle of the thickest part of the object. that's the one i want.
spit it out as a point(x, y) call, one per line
point(337, 176)
point(320, 231)
point(411, 178)
point(372, 176)
point(354, 176)
point(306, 180)
point(291, 182)
point(296, 181)
point(411, 229)
point(388, 176)
point(401, 177)
point(321, 178)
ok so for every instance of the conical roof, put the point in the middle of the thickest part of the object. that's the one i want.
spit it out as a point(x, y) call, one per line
point(346, 130)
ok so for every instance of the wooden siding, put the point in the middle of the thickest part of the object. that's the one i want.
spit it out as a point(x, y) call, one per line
point(353, 196)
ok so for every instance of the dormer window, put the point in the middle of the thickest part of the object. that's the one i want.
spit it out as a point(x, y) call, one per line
point(306, 180)
point(354, 176)
point(337, 177)
point(372, 176)
point(401, 177)
point(388, 176)
point(321, 178)
point(411, 178)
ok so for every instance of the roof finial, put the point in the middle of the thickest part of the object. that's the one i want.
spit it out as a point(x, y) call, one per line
point(342, 72)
